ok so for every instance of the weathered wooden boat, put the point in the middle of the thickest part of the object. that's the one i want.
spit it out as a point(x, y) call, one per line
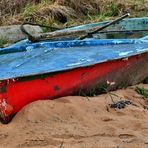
point(52, 69)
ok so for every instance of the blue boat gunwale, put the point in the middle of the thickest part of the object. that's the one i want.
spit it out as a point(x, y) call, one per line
point(24, 44)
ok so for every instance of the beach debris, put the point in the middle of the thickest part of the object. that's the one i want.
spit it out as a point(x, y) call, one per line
point(120, 104)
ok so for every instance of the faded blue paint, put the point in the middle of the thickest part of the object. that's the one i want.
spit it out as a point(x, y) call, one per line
point(25, 58)
point(46, 57)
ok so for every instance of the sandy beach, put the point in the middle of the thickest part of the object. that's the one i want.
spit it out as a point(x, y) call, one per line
point(80, 122)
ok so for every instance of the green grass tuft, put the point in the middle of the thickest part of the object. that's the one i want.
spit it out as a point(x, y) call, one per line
point(111, 8)
point(142, 91)
point(3, 42)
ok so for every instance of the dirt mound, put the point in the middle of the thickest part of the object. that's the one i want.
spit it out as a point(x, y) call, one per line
point(80, 122)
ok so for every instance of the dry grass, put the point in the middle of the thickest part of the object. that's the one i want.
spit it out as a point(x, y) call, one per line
point(62, 11)
point(8, 7)
point(47, 13)
point(11, 9)
point(82, 7)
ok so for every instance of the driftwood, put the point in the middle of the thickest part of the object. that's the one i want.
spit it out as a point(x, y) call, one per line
point(69, 33)
point(57, 34)
point(61, 34)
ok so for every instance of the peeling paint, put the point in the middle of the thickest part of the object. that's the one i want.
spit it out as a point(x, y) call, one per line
point(56, 88)
point(125, 53)
point(125, 59)
point(3, 88)
point(5, 109)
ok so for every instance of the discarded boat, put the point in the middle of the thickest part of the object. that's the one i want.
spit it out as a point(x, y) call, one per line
point(52, 69)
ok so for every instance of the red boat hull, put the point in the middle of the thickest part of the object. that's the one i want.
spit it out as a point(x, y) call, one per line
point(15, 94)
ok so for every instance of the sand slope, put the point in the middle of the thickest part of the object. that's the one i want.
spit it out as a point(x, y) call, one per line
point(79, 122)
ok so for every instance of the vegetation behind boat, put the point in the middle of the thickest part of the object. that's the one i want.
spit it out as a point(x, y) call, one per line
point(71, 12)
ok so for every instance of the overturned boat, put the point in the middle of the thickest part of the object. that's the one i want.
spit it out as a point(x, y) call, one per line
point(55, 68)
